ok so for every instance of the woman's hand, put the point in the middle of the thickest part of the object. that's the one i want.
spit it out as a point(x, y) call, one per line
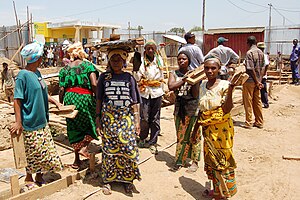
point(58, 105)
point(98, 126)
point(16, 128)
point(137, 128)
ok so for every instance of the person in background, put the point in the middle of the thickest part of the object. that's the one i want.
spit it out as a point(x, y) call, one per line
point(254, 62)
point(185, 116)
point(149, 76)
point(8, 82)
point(226, 55)
point(118, 122)
point(78, 82)
point(295, 61)
point(195, 52)
point(32, 117)
point(215, 104)
point(264, 90)
point(95, 56)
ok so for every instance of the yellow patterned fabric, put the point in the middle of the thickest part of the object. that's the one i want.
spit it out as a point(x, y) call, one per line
point(218, 136)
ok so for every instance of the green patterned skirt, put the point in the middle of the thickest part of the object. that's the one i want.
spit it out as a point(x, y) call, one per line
point(84, 123)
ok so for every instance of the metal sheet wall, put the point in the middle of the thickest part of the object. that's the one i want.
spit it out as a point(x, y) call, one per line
point(282, 38)
point(236, 41)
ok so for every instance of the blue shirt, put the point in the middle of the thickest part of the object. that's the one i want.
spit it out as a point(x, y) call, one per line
point(32, 90)
point(295, 53)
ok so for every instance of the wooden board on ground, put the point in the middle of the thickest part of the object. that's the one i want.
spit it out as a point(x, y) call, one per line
point(19, 151)
point(291, 157)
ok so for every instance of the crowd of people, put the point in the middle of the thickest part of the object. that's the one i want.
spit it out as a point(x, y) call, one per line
point(123, 109)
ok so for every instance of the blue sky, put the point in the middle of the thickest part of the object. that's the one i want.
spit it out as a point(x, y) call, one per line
point(158, 15)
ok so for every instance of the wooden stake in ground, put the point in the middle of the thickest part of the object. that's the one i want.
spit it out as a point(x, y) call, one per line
point(14, 185)
point(19, 151)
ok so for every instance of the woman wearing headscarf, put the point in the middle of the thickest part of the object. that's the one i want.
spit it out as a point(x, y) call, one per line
point(149, 76)
point(118, 121)
point(78, 81)
point(215, 104)
point(185, 115)
point(32, 116)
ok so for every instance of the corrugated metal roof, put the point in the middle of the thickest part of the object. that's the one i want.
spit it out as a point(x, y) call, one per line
point(235, 30)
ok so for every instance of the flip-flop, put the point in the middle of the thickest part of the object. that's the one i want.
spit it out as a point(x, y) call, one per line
point(106, 189)
point(192, 169)
point(31, 185)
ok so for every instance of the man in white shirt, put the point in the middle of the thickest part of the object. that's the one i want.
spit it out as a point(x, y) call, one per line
point(149, 75)
point(195, 52)
point(263, 91)
point(226, 55)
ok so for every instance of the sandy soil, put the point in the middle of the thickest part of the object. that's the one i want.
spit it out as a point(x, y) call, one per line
point(261, 171)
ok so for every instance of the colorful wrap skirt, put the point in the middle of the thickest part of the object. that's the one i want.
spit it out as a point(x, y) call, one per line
point(188, 145)
point(219, 162)
point(82, 129)
point(120, 152)
point(41, 154)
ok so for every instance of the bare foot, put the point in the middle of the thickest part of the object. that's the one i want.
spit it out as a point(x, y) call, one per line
point(84, 152)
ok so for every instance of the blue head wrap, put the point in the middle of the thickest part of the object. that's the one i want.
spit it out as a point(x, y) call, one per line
point(32, 52)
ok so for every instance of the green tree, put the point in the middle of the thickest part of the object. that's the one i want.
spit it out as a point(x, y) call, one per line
point(177, 30)
point(196, 28)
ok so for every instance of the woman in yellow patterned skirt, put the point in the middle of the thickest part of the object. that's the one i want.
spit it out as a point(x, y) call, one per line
point(215, 104)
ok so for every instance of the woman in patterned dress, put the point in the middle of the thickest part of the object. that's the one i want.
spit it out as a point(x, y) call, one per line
point(215, 104)
point(118, 121)
point(32, 116)
point(185, 115)
point(78, 81)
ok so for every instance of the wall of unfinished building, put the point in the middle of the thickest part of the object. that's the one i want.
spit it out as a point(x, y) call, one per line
point(10, 44)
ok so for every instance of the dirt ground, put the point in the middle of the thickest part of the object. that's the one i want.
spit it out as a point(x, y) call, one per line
point(262, 173)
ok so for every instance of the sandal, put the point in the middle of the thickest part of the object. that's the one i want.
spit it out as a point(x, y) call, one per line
point(192, 169)
point(153, 149)
point(106, 189)
point(31, 185)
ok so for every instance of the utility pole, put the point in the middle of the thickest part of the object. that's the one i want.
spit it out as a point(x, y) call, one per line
point(129, 29)
point(203, 14)
point(269, 32)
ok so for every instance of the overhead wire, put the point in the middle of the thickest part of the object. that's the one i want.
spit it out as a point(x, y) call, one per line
point(245, 9)
point(283, 15)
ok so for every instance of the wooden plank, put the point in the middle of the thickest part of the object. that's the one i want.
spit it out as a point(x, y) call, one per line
point(52, 187)
point(19, 151)
point(10, 104)
point(196, 75)
point(291, 157)
point(92, 162)
point(14, 185)
point(62, 109)
point(68, 114)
